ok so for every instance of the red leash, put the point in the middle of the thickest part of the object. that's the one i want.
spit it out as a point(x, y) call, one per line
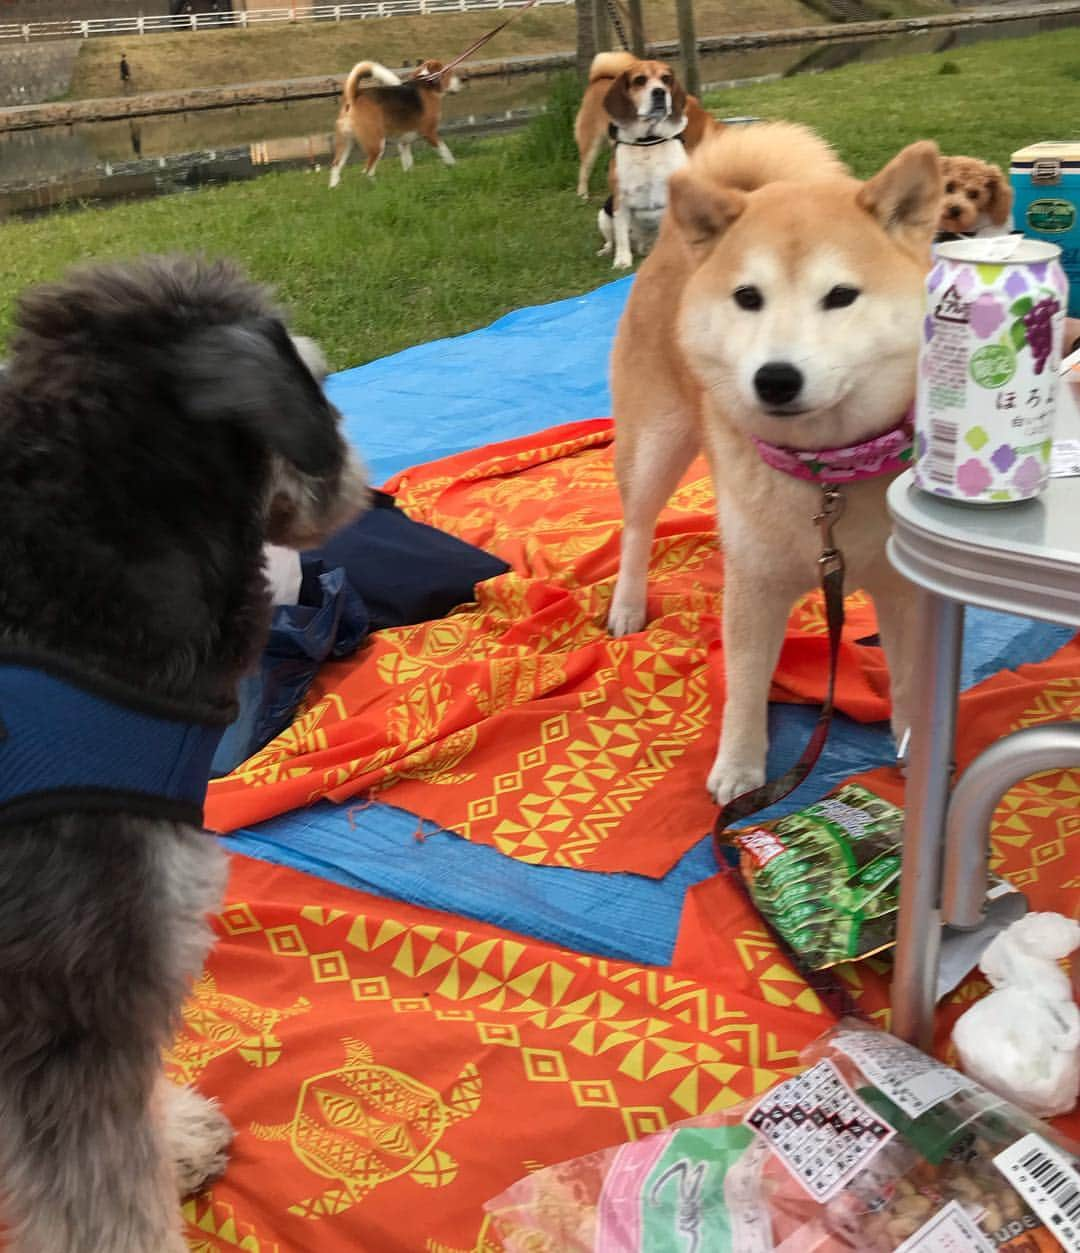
point(473, 47)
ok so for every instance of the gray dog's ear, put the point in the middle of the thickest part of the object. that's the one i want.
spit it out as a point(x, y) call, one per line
point(251, 374)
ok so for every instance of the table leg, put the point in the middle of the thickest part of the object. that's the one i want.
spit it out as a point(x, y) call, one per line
point(930, 753)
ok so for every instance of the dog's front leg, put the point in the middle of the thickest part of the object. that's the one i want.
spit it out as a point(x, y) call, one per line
point(756, 610)
point(897, 603)
point(624, 258)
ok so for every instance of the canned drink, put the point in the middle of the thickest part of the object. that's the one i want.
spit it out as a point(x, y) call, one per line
point(988, 369)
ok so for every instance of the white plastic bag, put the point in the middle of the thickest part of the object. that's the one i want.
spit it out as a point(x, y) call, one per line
point(1022, 1041)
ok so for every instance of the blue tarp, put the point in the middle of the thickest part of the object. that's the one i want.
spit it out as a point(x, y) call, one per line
point(532, 369)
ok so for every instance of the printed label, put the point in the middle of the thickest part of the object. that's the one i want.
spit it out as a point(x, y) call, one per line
point(1065, 459)
point(910, 1079)
point(1051, 217)
point(819, 1129)
point(1049, 1182)
point(760, 845)
point(949, 1231)
point(744, 1199)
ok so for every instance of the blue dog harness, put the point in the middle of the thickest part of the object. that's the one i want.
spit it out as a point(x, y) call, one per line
point(74, 742)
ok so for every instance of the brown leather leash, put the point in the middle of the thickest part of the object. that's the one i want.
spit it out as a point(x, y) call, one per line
point(473, 47)
point(831, 575)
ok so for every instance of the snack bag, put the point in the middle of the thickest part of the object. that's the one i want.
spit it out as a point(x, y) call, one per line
point(827, 877)
point(874, 1148)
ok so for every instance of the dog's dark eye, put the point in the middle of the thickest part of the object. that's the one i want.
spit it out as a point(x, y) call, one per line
point(640, 80)
point(840, 297)
point(973, 195)
point(748, 298)
point(950, 188)
point(666, 79)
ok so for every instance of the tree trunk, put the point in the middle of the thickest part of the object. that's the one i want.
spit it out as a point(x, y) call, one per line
point(601, 26)
point(688, 52)
point(586, 38)
point(637, 28)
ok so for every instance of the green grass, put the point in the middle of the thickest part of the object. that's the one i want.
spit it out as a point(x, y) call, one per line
point(266, 53)
point(999, 96)
point(372, 268)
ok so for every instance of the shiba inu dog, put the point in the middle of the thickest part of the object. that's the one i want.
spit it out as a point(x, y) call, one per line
point(779, 314)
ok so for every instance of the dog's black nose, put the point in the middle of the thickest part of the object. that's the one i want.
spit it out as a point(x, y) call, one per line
point(778, 382)
point(954, 210)
point(659, 95)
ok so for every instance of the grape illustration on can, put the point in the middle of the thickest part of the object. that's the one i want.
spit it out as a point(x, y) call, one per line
point(987, 383)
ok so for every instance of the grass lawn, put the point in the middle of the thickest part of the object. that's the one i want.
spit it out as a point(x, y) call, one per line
point(264, 53)
point(373, 268)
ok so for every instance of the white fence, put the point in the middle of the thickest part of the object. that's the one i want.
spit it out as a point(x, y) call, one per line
point(75, 29)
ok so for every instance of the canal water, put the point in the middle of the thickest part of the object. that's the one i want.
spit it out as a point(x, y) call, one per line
point(95, 161)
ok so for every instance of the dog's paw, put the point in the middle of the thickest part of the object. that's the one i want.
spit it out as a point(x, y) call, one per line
point(605, 251)
point(198, 1136)
point(622, 263)
point(730, 779)
point(626, 619)
point(583, 194)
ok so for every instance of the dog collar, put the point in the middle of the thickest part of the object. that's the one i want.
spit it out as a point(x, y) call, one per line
point(887, 453)
point(647, 141)
point(70, 741)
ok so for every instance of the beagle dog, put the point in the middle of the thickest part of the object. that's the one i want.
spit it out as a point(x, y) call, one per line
point(383, 107)
point(649, 117)
point(592, 122)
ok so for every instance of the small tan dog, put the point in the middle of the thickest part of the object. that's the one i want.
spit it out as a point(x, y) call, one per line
point(780, 309)
point(977, 200)
point(593, 118)
point(390, 109)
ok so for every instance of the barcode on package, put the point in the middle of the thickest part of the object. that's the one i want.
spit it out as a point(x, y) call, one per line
point(907, 1076)
point(941, 451)
point(1049, 1182)
point(819, 1129)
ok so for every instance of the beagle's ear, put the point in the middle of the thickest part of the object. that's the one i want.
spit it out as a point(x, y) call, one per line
point(250, 374)
point(905, 196)
point(617, 102)
point(1001, 197)
point(701, 211)
point(678, 98)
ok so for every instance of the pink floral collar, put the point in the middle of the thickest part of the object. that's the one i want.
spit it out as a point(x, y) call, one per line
point(887, 453)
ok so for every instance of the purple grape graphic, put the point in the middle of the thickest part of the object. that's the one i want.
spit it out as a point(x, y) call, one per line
point(1037, 324)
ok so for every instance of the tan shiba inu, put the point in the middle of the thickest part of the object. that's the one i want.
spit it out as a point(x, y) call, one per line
point(782, 303)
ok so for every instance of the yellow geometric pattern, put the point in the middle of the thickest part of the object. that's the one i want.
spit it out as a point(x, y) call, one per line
point(364, 1124)
point(215, 1023)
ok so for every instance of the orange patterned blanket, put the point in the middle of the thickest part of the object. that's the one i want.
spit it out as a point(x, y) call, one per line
point(518, 722)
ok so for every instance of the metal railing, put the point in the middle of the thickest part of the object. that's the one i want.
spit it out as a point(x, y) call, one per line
point(74, 28)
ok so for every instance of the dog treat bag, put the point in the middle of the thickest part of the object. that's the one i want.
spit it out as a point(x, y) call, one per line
point(873, 1148)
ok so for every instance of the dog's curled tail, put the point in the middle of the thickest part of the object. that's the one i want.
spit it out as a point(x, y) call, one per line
point(610, 64)
point(368, 69)
point(749, 156)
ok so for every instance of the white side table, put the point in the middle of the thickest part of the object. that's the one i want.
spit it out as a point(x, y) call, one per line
point(1023, 559)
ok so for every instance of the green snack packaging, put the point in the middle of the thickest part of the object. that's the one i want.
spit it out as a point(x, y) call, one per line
point(827, 877)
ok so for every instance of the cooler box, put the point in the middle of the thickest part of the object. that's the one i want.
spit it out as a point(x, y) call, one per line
point(1046, 181)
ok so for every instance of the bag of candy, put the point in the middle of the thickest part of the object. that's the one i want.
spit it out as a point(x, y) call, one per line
point(874, 1148)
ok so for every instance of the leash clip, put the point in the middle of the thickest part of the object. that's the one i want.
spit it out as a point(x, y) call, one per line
point(831, 560)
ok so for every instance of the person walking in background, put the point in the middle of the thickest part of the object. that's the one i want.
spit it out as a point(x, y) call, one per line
point(125, 70)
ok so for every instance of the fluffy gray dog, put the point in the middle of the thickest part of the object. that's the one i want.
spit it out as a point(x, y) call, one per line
point(157, 427)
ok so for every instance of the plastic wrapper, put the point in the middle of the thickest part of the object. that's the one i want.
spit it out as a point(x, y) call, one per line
point(873, 1148)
